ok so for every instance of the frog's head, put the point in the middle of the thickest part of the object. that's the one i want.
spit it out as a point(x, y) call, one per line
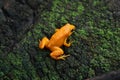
point(70, 27)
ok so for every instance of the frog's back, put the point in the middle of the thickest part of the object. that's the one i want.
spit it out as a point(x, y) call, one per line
point(57, 39)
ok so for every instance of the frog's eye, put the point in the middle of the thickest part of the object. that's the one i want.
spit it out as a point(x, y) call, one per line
point(72, 30)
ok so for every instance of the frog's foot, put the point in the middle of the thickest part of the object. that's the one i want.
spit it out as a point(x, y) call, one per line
point(57, 54)
point(63, 57)
point(43, 42)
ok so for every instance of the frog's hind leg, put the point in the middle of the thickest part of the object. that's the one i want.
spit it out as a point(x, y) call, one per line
point(57, 54)
point(43, 43)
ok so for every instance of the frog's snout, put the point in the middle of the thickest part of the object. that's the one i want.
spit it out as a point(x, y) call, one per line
point(72, 28)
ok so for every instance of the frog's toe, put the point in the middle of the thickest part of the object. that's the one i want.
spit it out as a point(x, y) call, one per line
point(43, 42)
point(63, 57)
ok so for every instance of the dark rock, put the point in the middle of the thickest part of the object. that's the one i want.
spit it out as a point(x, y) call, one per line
point(16, 19)
point(2, 17)
point(1, 3)
point(114, 75)
point(18, 15)
point(114, 6)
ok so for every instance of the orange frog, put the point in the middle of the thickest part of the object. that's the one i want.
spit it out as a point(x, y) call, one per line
point(58, 39)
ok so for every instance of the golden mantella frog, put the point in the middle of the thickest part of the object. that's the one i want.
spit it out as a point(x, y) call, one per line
point(58, 39)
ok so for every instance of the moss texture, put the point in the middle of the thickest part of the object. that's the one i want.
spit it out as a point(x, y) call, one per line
point(95, 49)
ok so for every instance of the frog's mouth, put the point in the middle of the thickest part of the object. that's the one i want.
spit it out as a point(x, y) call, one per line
point(72, 30)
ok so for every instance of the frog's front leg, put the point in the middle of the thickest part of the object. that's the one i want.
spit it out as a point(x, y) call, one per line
point(57, 53)
point(67, 44)
point(43, 43)
point(57, 30)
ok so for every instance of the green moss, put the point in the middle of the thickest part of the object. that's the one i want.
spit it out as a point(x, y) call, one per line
point(94, 37)
point(91, 72)
point(62, 11)
point(1, 74)
point(96, 2)
point(83, 34)
point(94, 33)
point(95, 49)
point(15, 59)
point(101, 62)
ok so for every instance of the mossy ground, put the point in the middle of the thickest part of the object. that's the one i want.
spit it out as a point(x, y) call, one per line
point(95, 49)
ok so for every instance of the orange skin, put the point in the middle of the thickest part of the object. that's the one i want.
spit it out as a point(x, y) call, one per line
point(58, 39)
